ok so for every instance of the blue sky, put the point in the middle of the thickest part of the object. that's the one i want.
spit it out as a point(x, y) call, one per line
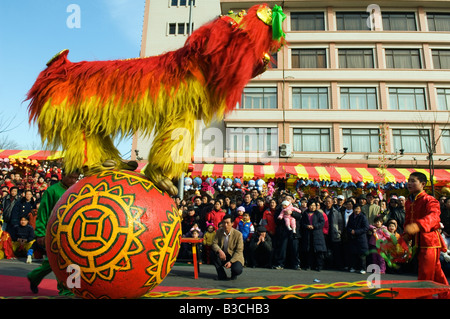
point(32, 31)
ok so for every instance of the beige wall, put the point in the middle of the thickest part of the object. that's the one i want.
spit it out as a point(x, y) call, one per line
point(284, 77)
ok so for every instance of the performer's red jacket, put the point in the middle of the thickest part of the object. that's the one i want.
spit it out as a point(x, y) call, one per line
point(424, 210)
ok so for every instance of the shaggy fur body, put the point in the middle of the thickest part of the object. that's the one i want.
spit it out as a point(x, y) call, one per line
point(82, 106)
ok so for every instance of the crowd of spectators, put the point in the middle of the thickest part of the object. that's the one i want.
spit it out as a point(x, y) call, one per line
point(21, 192)
point(279, 231)
point(310, 232)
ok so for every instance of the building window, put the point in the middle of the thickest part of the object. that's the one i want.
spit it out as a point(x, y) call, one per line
point(358, 98)
point(306, 21)
point(438, 21)
point(310, 98)
point(311, 140)
point(412, 141)
point(356, 58)
point(397, 21)
point(172, 28)
point(407, 99)
point(309, 58)
point(179, 28)
point(252, 139)
point(361, 140)
point(259, 98)
point(403, 59)
point(443, 99)
point(441, 59)
point(178, 3)
point(445, 140)
point(347, 21)
point(273, 61)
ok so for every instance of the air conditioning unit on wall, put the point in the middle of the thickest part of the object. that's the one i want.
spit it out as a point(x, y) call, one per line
point(285, 150)
point(271, 153)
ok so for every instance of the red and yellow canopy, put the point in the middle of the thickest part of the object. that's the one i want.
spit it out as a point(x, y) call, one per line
point(363, 174)
point(328, 173)
point(33, 155)
point(273, 170)
point(244, 171)
point(312, 172)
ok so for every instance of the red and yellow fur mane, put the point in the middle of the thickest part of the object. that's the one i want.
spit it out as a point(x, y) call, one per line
point(82, 106)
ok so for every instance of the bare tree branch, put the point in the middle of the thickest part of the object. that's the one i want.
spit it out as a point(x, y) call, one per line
point(6, 124)
point(8, 144)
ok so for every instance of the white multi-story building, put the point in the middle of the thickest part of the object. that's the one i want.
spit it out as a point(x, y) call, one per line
point(359, 84)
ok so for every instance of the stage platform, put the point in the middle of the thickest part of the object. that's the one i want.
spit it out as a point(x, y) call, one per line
point(254, 283)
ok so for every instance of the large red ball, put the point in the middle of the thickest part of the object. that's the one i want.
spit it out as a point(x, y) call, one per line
point(113, 235)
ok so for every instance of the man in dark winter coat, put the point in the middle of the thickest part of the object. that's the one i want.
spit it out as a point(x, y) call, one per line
point(22, 208)
point(260, 247)
point(8, 204)
point(286, 241)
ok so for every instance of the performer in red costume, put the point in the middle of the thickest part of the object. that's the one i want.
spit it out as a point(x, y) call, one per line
point(421, 225)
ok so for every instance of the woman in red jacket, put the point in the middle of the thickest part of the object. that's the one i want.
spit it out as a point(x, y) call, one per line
point(268, 218)
point(216, 215)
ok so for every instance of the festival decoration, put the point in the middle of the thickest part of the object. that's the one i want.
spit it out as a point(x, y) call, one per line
point(270, 189)
point(208, 185)
point(382, 157)
point(197, 183)
point(237, 182)
point(385, 289)
point(219, 184)
point(228, 184)
point(81, 106)
point(394, 250)
point(187, 184)
point(120, 232)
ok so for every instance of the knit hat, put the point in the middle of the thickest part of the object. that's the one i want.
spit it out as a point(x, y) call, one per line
point(241, 209)
point(286, 203)
point(261, 229)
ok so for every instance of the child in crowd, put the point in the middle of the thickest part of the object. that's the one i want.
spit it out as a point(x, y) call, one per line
point(392, 228)
point(378, 232)
point(247, 229)
point(186, 248)
point(195, 228)
point(208, 239)
point(245, 226)
point(286, 214)
point(196, 234)
point(240, 212)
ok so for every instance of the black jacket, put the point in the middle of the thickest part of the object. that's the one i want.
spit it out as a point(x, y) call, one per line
point(22, 232)
point(313, 238)
point(358, 241)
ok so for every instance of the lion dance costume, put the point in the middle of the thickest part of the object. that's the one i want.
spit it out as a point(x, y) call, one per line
point(83, 106)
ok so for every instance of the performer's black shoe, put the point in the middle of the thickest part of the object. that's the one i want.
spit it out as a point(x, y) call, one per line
point(33, 287)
